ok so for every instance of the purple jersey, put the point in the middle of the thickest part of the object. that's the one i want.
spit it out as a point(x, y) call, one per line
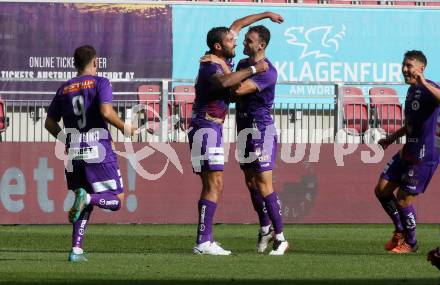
point(421, 111)
point(211, 103)
point(257, 106)
point(78, 103)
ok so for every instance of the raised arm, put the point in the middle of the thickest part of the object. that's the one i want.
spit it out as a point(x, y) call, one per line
point(239, 24)
point(431, 88)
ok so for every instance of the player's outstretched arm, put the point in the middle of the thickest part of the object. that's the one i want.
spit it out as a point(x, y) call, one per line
point(239, 24)
point(234, 78)
point(52, 127)
point(111, 116)
point(248, 86)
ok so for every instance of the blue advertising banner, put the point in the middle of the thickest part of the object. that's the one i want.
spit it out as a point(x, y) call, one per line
point(318, 44)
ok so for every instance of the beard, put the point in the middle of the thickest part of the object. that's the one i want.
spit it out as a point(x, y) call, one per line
point(229, 54)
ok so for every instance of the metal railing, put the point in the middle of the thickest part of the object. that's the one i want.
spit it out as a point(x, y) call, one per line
point(165, 115)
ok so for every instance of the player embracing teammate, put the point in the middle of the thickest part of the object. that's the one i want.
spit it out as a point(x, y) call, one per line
point(253, 87)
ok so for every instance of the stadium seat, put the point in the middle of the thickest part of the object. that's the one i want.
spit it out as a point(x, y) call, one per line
point(276, 1)
point(312, 1)
point(355, 110)
point(184, 96)
point(370, 2)
point(433, 3)
point(148, 93)
point(386, 108)
point(150, 96)
point(343, 2)
point(4, 122)
point(405, 3)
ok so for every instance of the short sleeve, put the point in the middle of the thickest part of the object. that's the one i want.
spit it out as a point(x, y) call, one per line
point(241, 64)
point(212, 68)
point(264, 79)
point(54, 111)
point(104, 91)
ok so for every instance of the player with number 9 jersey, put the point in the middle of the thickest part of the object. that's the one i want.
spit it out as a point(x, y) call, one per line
point(85, 105)
point(78, 102)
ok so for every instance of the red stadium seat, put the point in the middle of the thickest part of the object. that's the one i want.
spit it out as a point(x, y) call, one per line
point(150, 96)
point(387, 108)
point(370, 2)
point(311, 1)
point(405, 3)
point(436, 3)
point(3, 120)
point(275, 1)
point(184, 96)
point(148, 93)
point(346, 2)
point(355, 110)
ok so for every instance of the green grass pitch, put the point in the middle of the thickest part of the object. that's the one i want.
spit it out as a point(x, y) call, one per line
point(162, 254)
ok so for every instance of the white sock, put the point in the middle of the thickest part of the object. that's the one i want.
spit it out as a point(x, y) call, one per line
point(77, 250)
point(88, 198)
point(265, 229)
point(280, 236)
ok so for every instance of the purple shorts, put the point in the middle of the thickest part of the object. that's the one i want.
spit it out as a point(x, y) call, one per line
point(96, 178)
point(206, 146)
point(412, 178)
point(258, 151)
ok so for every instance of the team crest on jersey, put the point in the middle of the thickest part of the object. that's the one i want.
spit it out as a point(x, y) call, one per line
point(417, 94)
point(415, 105)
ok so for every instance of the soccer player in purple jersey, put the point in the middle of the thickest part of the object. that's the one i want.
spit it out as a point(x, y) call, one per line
point(410, 170)
point(210, 107)
point(85, 105)
point(257, 140)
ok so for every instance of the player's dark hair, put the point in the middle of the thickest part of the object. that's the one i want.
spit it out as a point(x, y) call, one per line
point(83, 55)
point(417, 55)
point(215, 35)
point(263, 33)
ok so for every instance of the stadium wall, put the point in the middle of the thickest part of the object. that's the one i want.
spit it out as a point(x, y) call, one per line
point(328, 183)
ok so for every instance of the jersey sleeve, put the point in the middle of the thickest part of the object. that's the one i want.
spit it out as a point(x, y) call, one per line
point(54, 111)
point(264, 79)
point(104, 92)
point(211, 69)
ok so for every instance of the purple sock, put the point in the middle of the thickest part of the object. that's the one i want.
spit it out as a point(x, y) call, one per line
point(106, 200)
point(273, 206)
point(389, 204)
point(259, 206)
point(408, 216)
point(79, 227)
point(206, 216)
